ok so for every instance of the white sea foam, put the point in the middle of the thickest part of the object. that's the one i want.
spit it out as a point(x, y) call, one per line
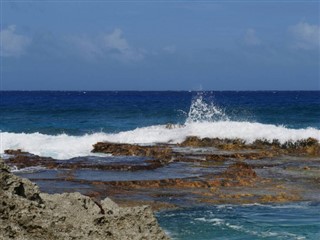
point(214, 221)
point(64, 146)
point(300, 205)
point(264, 234)
point(204, 119)
point(60, 146)
point(14, 169)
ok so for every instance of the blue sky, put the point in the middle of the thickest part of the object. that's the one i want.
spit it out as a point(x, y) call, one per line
point(160, 45)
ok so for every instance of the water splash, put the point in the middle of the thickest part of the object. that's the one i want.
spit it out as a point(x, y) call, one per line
point(202, 111)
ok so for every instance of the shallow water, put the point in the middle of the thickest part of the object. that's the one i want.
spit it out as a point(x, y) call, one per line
point(255, 221)
point(175, 170)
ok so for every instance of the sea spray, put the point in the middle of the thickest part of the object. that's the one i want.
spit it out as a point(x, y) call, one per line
point(64, 146)
point(205, 119)
point(203, 111)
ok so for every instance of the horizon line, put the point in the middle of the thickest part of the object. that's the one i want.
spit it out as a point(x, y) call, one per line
point(270, 90)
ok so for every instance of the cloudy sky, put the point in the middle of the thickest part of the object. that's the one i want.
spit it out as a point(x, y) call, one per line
point(160, 45)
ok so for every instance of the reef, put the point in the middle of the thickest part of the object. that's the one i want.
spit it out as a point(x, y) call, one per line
point(308, 146)
point(26, 213)
point(194, 172)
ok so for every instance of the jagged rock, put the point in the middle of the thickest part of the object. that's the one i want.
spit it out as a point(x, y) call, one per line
point(25, 213)
point(4, 167)
point(13, 185)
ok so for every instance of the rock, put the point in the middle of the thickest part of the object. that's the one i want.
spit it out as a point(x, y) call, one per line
point(280, 197)
point(24, 159)
point(173, 126)
point(25, 213)
point(226, 144)
point(21, 159)
point(14, 152)
point(118, 149)
point(309, 146)
point(239, 170)
point(4, 167)
point(15, 186)
point(237, 174)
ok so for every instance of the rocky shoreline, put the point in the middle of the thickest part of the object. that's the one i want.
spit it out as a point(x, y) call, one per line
point(196, 172)
point(26, 213)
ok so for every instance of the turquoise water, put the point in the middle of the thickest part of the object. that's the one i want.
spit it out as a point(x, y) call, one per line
point(280, 221)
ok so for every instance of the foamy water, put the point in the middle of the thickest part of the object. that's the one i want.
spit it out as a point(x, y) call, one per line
point(204, 119)
point(64, 146)
point(255, 221)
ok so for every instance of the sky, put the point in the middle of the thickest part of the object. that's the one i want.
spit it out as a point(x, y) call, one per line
point(160, 45)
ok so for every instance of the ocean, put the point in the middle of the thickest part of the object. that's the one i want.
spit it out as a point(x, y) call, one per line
point(249, 221)
point(65, 125)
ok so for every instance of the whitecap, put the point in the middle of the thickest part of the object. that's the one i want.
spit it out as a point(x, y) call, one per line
point(205, 120)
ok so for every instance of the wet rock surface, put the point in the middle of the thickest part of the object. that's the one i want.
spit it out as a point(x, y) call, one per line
point(195, 172)
point(308, 146)
point(160, 152)
point(21, 159)
point(26, 213)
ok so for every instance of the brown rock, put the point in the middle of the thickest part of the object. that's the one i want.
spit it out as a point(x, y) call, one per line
point(118, 149)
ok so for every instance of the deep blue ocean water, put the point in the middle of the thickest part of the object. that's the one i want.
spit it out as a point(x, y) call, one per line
point(66, 124)
point(77, 113)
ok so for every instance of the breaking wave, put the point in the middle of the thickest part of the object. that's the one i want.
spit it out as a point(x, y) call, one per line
point(64, 146)
point(204, 120)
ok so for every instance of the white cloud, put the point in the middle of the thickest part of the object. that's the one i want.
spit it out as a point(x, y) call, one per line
point(13, 45)
point(306, 36)
point(250, 38)
point(116, 43)
point(107, 45)
point(115, 40)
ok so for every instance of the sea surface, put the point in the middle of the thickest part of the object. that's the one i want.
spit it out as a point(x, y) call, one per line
point(64, 125)
point(252, 221)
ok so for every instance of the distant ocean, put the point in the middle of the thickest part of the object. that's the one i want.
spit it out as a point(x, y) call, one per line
point(64, 125)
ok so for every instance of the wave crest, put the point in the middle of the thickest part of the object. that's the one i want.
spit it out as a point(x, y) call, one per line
point(205, 120)
point(64, 146)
